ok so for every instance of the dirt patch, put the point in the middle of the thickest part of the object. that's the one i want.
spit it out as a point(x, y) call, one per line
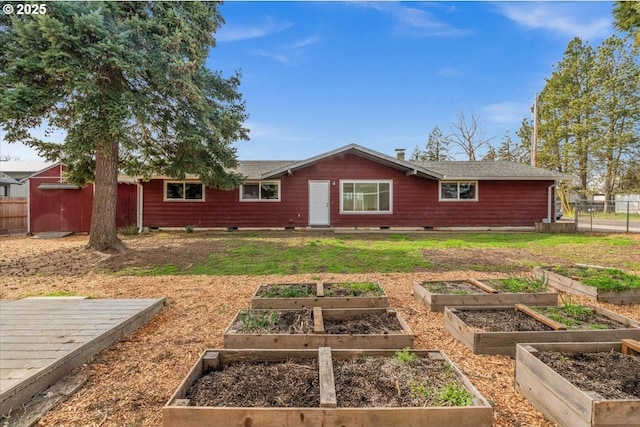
point(613, 375)
point(496, 259)
point(364, 324)
point(514, 321)
point(368, 382)
point(292, 384)
point(500, 321)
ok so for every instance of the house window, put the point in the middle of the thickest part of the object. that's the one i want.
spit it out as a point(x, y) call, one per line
point(366, 196)
point(458, 190)
point(257, 191)
point(183, 190)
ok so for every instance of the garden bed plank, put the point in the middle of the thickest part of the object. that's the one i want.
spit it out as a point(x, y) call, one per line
point(480, 414)
point(482, 286)
point(319, 300)
point(437, 302)
point(562, 402)
point(628, 344)
point(485, 342)
point(540, 317)
point(575, 287)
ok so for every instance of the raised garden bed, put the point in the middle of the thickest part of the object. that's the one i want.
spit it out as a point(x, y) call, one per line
point(274, 388)
point(437, 295)
point(336, 328)
point(497, 330)
point(320, 294)
point(581, 384)
point(595, 282)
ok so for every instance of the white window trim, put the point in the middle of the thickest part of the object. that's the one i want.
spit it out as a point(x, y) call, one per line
point(183, 200)
point(458, 199)
point(367, 181)
point(259, 200)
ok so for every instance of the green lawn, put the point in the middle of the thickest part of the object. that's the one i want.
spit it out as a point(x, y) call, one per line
point(240, 253)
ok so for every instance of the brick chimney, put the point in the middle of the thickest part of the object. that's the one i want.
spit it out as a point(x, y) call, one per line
point(400, 153)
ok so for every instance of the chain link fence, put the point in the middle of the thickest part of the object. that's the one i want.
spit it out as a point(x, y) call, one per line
point(610, 217)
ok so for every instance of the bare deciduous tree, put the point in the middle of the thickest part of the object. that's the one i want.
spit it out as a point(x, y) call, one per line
point(467, 134)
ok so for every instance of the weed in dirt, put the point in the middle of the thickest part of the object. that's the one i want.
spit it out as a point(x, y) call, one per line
point(454, 394)
point(257, 320)
point(570, 313)
point(520, 284)
point(355, 289)
point(404, 356)
point(287, 291)
point(608, 279)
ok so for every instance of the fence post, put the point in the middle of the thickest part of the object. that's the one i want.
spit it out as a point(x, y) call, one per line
point(628, 214)
point(575, 215)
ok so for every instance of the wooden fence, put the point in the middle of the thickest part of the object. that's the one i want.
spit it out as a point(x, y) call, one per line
point(13, 215)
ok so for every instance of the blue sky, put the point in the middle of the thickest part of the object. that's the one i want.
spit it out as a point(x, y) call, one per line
point(320, 75)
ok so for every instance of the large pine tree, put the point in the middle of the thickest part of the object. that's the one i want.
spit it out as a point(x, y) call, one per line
point(129, 83)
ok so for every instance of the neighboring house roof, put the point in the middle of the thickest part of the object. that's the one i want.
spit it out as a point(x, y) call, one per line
point(23, 167)
point(7, 180)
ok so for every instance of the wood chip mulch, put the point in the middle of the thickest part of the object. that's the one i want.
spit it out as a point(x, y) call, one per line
point(130, 382)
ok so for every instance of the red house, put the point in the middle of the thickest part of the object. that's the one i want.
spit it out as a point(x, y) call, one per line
point(355, 187)
point(350, 187)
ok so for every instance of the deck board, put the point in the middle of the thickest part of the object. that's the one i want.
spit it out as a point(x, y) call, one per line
point(43, 339)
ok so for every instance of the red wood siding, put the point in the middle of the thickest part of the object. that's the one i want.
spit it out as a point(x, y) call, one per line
point(70, 209)
point(415, 202)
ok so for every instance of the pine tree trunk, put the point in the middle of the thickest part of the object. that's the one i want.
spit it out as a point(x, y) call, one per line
point(103, 235)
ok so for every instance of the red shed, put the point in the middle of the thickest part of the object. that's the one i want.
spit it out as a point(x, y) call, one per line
point(356, 187)
point(55, 205)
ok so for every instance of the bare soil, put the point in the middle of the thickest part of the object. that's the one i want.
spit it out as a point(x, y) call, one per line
point(613, 375)
point(514, 321)
point(130, 382)
point(291, 384)
point(365, 324)
point(287, 291)
point(361, 382)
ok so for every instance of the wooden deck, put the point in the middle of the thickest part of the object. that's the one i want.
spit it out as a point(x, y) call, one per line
point(43, 339)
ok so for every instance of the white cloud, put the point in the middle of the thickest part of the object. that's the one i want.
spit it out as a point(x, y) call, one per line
point(231, 32)
point(506, 112)
point(570, 19)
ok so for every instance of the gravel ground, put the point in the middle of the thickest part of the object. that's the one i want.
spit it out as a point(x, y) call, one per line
point(130, 382)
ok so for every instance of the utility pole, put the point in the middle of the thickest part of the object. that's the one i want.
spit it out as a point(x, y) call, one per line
point(534, 140)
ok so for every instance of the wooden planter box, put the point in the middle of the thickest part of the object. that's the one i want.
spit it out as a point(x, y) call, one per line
point(562, 402)
point(403, 338)
point(485, 296)
point(177, 413)
point(482, 342)
point(318, 300)
point(575, 287)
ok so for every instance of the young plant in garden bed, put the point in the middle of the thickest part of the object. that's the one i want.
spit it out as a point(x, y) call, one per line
point(572, 314)
point(607, 279)
point(257, 320)
point(354, 289)
point(520, 284)
point(446, 392)
point(287, 291)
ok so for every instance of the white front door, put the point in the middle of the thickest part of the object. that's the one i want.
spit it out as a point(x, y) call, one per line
point(318, 202)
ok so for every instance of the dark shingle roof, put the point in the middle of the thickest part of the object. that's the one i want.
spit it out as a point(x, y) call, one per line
point(490, 170)
point(451, 170)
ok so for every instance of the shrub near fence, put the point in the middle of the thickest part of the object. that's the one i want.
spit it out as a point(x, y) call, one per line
point(13, 215)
